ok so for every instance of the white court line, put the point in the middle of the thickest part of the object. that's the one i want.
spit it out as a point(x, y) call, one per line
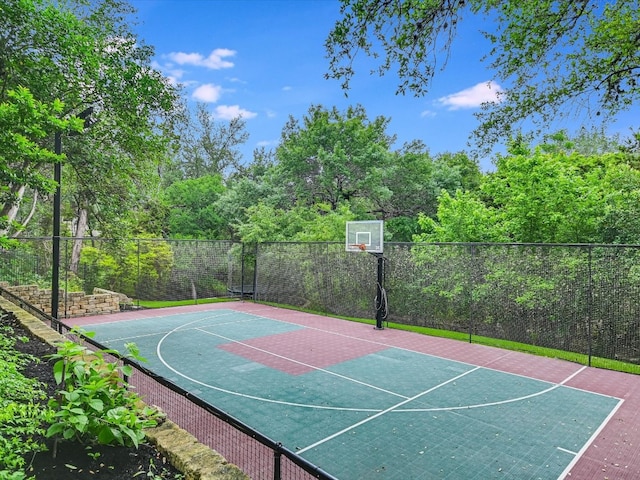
point(318, 369)
point(565, 473)
point(486, 367)
point(132, 337)
point(230, 311)
point(377, 412)
point(366, 420)
point(491, 404)
point(243, 395)
point(463, 407)
point(151, 317)
point(163, 332)
point(570, 452)
point(253, 316)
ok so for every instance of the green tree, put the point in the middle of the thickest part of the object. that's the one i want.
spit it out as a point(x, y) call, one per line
point(84, 54)
point(192, 208)
point(255, 183)
point(412, 184)
point(333, 157)
point(317, 223)
point(24, 123)
point(551, 54)
point(126, 266)
point(544, 195)
point(548, 197)
point(210, 147)
point(461, 218)
point(621, 220)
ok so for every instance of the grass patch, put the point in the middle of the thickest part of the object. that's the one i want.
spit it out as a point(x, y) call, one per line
point(180, 303)
point(580, 358)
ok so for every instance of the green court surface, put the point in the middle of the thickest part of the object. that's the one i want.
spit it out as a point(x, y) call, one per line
point(361, 410)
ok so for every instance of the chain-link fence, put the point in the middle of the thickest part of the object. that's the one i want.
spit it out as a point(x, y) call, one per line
point(576, 298)
point(142, 269)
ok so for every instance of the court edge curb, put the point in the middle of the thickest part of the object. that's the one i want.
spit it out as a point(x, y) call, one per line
point(195, 460)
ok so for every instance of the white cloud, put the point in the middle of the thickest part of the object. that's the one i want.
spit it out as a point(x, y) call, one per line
point(208, 93)
point(428, 114)
point(287, 88)
point(267, 143)
point(172, 81)
point(229, 112)
point(176, 73)
point(215, 60)
point(472, 97)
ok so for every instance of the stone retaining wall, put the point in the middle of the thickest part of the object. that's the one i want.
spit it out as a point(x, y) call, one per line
point(76, 304)
point(195, 460)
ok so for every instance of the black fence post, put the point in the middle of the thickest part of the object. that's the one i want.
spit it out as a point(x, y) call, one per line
point(589, 302)
point(67, 262)
point(381, 303)
point(242, 256)
point(472, 282)
point(138, 283)
point(55, 263)
point(255, 273)
point(277, 463)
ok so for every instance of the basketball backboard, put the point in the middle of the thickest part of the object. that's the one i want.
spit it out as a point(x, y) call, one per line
point(365, 236)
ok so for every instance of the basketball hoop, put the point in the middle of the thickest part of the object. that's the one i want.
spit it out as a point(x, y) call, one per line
point(367, 236)
point(364, 236)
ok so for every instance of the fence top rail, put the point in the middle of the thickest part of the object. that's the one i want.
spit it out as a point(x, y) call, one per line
point(134, 239)
point(475, 244)
point(469, 244)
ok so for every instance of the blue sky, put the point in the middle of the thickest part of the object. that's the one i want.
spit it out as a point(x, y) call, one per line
point(265, 60)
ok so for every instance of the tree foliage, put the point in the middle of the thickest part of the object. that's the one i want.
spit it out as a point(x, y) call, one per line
point(553, 56)
point(318, 223)
point(333, 157)
point(548, 194)
point(192, 208)
point(24, 123)
point(83, 54)
point(210, 147)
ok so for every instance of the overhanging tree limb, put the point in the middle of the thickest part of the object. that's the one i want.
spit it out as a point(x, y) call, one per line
point(547, 54)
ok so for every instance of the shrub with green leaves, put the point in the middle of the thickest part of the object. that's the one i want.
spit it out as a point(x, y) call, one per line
point(94, 403)
point(22, 412)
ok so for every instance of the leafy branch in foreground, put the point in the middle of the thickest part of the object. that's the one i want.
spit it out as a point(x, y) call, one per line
point(94, 403)
point(553, 57)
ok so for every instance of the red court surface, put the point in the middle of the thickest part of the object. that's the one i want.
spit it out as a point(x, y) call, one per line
point(614, 454)
point(302, 348)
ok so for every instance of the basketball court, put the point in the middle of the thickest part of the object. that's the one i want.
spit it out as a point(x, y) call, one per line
point(361, 402)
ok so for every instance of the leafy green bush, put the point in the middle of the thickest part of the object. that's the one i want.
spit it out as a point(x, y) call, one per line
point(94, 404)
point(22, 415)
point(121, 266)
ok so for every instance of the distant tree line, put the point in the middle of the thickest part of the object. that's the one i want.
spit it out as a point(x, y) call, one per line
point(149, 167)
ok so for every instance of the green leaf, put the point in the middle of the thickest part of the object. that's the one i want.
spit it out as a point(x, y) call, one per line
point(58, 370)
point(96, 404)
point(105, 435)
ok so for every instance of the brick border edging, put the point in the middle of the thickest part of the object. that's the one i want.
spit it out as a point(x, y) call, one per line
point(195, 460)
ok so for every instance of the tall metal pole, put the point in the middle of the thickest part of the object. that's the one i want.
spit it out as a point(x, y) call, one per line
point(55, 273)
point(380, 301)
point(57, 176)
